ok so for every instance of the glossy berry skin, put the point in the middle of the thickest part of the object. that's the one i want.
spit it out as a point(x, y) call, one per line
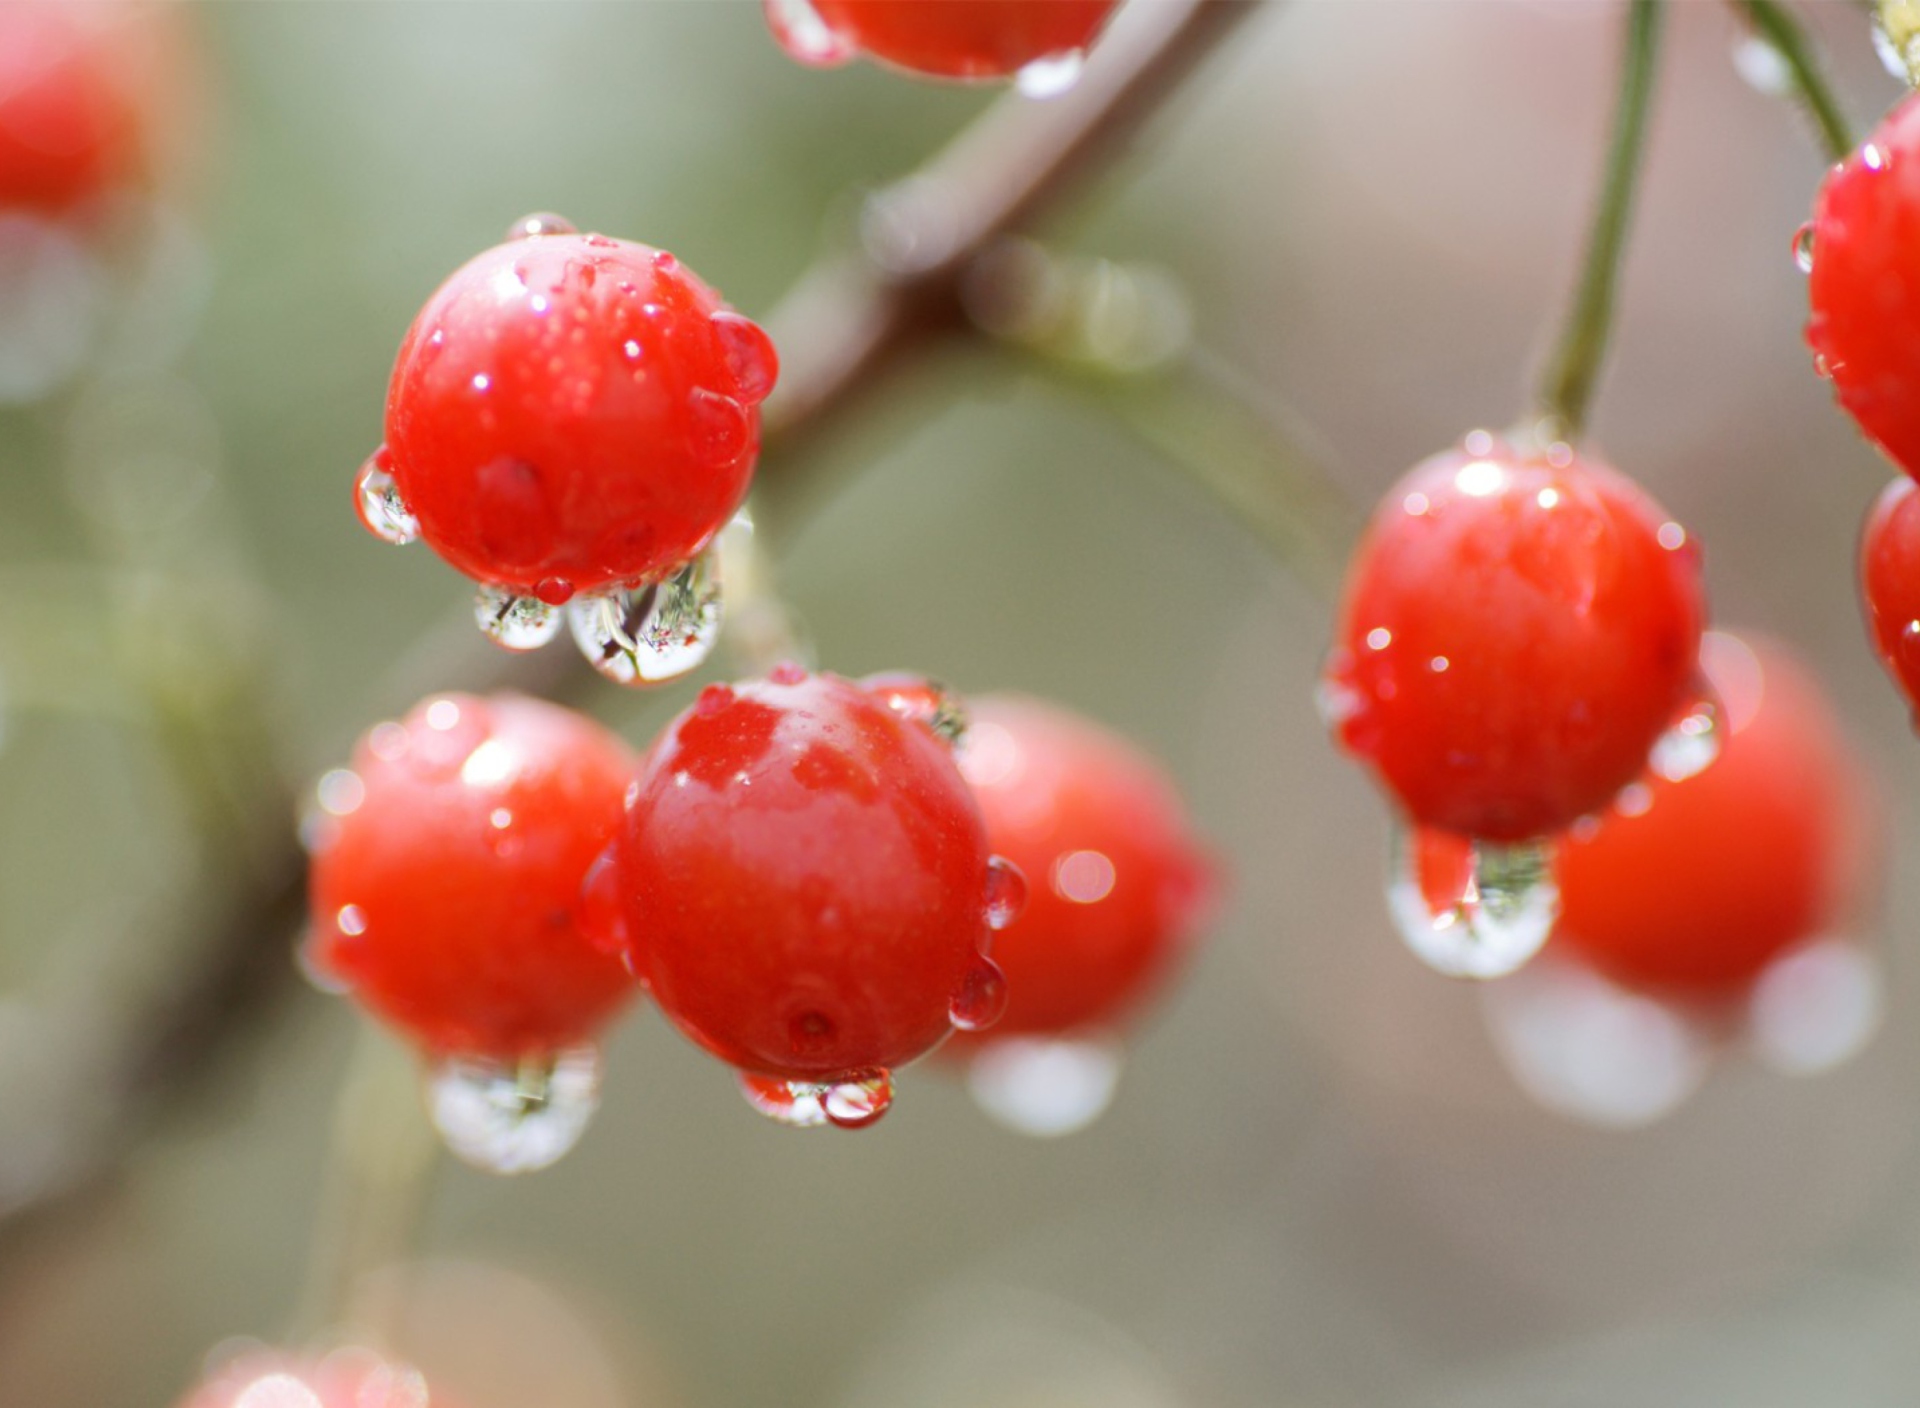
point(803, 876)
point(70, 129)
point(1517, 630)
point(571, 411)
point(448, 869)
point(1864, 287)
point(1890, 584)
point(958, 39)
point(1694, 887)
point(1119, 885)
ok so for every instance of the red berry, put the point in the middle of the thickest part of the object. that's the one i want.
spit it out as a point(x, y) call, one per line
point(806, 883)
point(964, 39)
point(70, 128)
point(1517, 631)
point(1695, 887)
point(1118, 883)
point(1890, 584)
point(1864, 293)
point(570, 412)
point(448, 870)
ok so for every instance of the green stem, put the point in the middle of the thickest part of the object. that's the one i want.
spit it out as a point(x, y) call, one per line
point(1567, 388)
point(1777, 26)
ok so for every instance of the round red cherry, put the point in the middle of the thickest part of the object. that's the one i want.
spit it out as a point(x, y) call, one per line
point(1694, 887)
point(570, 412)
point(1890, 584)
point(70, 126)
point(1518, 628)
point(963, 39)
point(448, 869)
point(1118, 883)
point(805, 880)
point(1864, 289)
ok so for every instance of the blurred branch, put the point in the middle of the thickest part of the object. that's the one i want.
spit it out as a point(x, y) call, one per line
point(847, 322)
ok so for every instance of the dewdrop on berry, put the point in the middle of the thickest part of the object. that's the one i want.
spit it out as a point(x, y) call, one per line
point(571, 422)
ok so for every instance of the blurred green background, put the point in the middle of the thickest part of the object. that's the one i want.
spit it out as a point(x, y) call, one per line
point(1318, 1185)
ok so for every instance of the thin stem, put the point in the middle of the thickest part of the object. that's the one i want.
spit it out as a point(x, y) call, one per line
point(1779, 28)
point(1567, 388)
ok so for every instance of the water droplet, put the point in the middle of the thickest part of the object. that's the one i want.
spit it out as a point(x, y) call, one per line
point(751, 360)
point(382, 511)
point(925, 701)
point(851, 1102)
point(1691, 742)
point(1816, 1008)
point(1764, 68)
point(554, 591)
point(719, 429)
point(1592, 1051)
point(982, 999)
point(1006, 892)
point(647, 635)
point(514, 1116)
point(513, 621)
point(805, 36)
point(1471, 908)
point(1803, 248)
point(541, 222)
point(1050, 75)
point(600, 914)
point(788, 672)
point(1045, 1086)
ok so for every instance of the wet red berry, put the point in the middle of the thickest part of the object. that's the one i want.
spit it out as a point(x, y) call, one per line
point(1890, 584)
point(1695, 887)
point(805, 881)
point(964, 39)
point(448, 869)
point(1518, 629)
point(570, 412)
point(1118, 884)
point(1864, 289)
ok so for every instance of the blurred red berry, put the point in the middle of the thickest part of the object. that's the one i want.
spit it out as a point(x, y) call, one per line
point(1890, 584)
point(569, 412)
point(70, 122)
point(1864, 290)
point(806, 881)
point(963, 39)
point(1119, 885)
point(1518, 629)
point(448, 875)
point(1694, 887)
point(344, 1379)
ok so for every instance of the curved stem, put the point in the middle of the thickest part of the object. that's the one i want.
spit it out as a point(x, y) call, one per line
point(1567, 388)
point(1777, 26)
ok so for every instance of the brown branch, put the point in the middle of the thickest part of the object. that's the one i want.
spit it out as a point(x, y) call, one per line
point(848, 321)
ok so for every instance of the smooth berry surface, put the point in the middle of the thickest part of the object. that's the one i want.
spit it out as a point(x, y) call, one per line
point(804, 878)
point(1118, 884)
point(1696, 886)
point(1890, 584)
point(571, 411)
point(448, 870)
point(1864, 287)
point(961, 39)
point(1517, 630)
point(69, 124)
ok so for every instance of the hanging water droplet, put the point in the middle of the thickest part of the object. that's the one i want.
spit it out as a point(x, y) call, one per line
point(1471, 908)
point(382, 511)
point(982, 999)
point(1691, 742)
point(541, 222)
point(647, 635)
point(1045, 1086)
point(1816, 1008)
point(514, 1116)
point(1803, 248)
point(1764, 68)
point(1050, 75)
point(1006, 892)
point(851, 1102)
point(751, 360)
point(1592, 1051)
point(805, 36)
point(513, 621)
